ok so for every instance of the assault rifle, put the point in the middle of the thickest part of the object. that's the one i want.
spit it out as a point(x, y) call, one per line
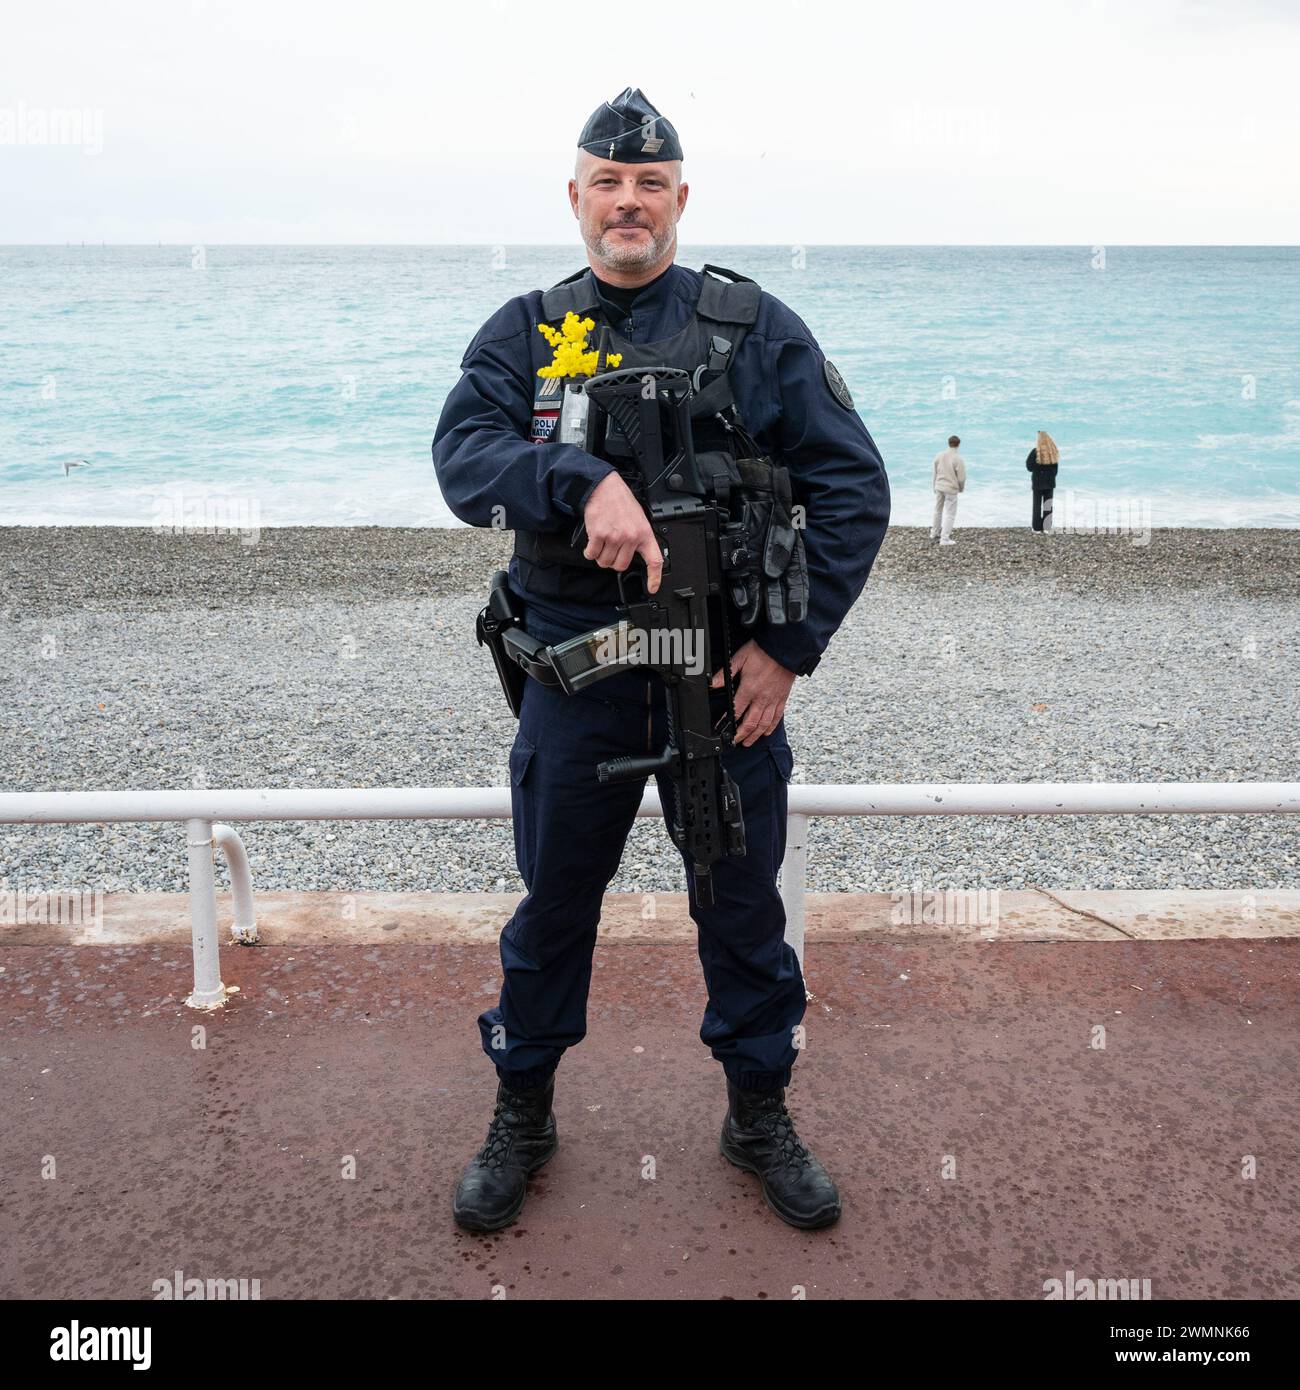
point(670, 631)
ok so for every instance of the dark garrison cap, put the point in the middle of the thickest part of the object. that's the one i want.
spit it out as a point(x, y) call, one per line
point(629, 130)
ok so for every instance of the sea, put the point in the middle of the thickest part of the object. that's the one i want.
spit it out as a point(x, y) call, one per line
point(302, 384)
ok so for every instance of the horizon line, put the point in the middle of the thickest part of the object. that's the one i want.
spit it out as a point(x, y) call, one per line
point(761, 245)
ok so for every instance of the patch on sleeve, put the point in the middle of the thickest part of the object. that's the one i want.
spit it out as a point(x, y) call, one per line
point(544, 424)
point(839, 388)
point(545, 409)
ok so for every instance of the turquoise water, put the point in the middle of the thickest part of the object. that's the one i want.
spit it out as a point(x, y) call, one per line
point(305, 382)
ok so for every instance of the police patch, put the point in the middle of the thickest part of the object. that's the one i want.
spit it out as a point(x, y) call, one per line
point(839, 389)
point(546, 409)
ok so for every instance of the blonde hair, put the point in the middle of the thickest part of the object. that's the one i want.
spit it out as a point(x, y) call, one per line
point(1047, 450)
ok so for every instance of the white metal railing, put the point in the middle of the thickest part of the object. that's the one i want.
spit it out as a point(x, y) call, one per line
point(204, 813)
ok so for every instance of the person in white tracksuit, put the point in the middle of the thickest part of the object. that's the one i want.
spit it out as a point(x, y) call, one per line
point(949, 480)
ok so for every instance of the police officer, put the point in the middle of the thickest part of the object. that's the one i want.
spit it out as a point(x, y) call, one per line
point(576, 523)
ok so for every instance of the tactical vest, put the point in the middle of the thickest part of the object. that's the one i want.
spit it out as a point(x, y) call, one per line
point(550, 564)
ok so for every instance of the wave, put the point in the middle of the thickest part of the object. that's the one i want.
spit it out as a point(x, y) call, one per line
point(1159, 509)
point(339, 503)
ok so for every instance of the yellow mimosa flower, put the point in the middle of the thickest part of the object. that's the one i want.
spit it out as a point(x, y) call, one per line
point(572, 357)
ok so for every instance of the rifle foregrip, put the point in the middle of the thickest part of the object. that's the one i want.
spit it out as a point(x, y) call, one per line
point(625, 769)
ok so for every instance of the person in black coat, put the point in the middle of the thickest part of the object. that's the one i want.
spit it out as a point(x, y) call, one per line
point(1042, 464)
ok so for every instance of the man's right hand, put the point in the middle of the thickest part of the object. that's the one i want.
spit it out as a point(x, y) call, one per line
point(618, 529)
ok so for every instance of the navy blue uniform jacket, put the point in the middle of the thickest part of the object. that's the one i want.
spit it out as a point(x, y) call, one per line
point(493, 471)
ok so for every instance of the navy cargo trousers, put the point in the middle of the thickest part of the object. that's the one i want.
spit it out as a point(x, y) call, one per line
point(570, 830)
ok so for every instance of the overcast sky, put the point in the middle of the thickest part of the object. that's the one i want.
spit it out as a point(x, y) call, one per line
point(1097, 122)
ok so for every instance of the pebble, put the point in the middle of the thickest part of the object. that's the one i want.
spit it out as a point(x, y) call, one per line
point(346, 657)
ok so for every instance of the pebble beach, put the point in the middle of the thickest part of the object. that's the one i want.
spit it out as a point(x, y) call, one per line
point(346, 657)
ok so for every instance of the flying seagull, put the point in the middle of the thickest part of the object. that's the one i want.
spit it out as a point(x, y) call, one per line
point(70, 464)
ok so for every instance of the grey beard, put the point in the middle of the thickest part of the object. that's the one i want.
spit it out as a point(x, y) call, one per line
point(619, 257)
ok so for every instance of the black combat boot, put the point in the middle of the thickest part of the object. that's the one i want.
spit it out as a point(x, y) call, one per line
point(758, 1134)
point(520, 1139)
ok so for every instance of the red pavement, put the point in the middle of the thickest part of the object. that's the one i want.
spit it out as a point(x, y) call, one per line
point(225, 1162)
